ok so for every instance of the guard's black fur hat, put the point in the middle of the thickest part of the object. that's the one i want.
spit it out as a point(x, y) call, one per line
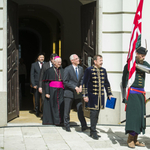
point(141, 50)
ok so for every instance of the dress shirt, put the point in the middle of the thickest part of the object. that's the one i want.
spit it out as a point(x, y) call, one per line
point(50, 63)
point(75, 69)
point(40, 64)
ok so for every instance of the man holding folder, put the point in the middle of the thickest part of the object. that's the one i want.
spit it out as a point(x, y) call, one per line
point(94, 81)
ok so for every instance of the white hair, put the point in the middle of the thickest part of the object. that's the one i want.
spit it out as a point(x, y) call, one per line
point(57, 59)
point(71, 57)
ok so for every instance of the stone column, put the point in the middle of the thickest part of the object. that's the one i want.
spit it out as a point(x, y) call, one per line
point(99, 26)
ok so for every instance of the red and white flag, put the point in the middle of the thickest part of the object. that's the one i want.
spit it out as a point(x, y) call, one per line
point(136, 32)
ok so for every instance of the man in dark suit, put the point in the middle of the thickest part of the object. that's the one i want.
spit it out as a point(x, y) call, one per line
point(35, 75)
point(73, 75)
point(46, 66)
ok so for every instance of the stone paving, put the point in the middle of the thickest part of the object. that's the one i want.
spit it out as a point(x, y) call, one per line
point(56, 138)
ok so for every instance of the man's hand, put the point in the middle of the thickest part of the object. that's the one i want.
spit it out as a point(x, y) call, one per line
point(86, 99)
point(40, 90)
point(80, 88)
point(110, 96)
point(35, 87)
point(77, 89)
point(47, 96)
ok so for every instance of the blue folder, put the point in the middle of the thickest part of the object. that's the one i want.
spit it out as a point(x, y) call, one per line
point(111, 103)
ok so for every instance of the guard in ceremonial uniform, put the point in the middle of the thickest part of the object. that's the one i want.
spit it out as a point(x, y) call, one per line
point(135, 110)
point(94, 81)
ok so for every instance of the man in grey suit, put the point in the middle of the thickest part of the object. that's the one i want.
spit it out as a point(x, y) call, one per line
point(46, 66)
point(34, 76)
point(72, 80)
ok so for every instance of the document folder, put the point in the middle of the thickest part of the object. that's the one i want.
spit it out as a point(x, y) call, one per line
point(111, 103)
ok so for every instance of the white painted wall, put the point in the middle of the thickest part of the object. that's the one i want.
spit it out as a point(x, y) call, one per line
point(1, 46)
point(116, 23)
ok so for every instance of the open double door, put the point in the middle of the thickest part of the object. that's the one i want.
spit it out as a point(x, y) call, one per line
point(88, 29)
point(12, 61)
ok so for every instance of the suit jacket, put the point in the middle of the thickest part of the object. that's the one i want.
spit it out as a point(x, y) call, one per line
point(46, 66)
point(35, 74)
point(94, 82)
point(70, 80)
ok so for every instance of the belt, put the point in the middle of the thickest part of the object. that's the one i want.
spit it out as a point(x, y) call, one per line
point(133, 90)
point(56, 84)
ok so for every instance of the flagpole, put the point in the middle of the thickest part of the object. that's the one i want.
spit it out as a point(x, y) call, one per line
point(135, 36)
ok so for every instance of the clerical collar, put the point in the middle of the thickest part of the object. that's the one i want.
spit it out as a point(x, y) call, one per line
point(56, 68)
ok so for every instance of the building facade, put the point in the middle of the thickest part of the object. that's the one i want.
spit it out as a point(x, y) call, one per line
point(56, 26)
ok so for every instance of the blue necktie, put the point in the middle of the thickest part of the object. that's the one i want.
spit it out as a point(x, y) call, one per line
point(76, 73)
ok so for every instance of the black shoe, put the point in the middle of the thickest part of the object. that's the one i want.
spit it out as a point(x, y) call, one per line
point(85, 128)
point(37, 114)
point(94, 135)
point(68, 129)
point(32, 111)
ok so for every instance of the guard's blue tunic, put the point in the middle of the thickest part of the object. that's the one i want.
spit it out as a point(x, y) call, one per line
point(93, 85)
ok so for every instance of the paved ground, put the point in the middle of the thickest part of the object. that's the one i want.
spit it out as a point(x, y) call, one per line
point(56, 138)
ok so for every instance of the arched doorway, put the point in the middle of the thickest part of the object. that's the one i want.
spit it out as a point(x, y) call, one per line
point(36, 34)
point(65, 28)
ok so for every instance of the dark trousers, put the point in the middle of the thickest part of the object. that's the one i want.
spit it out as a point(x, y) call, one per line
point(37, 99)
point(94, 119)
point(68, 103)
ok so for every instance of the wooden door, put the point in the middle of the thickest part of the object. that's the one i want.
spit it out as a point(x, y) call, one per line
point(88, 30)
point(12, 61)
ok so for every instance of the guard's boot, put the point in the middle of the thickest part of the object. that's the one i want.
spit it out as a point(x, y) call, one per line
point(130, 141)
point(137, 143)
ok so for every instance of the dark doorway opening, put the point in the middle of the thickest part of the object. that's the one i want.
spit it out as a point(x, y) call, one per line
point(29, 44)
point(28, 48)
point(34, 37)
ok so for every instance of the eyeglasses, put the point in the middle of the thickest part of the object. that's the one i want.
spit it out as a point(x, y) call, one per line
point(76, 58)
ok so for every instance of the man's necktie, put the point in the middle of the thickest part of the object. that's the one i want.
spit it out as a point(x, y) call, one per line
point(76, 73)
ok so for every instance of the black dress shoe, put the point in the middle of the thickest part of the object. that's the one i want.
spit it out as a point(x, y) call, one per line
point(68, 129)
point(37, 114)
point(94, 135)
point(85, 128)
point(32, 111)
